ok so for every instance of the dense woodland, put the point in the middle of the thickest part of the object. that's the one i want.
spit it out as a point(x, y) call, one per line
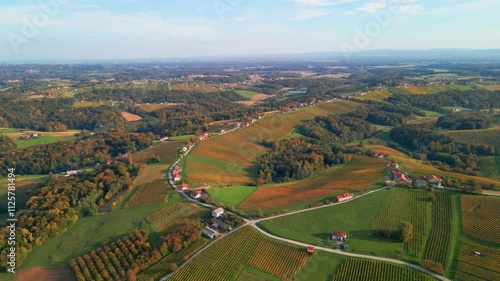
point(386, 114)
point(425, 142)
point(299, 158)
point(467, 121)
point(86, 150)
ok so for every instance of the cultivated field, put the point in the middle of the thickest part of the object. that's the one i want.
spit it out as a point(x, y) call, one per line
point(439, 244)
point(231, 196)
point(227, 258)
point(489, 166)
point(227, 159)
point(481, 218)
point(174, 215)
point(152, 173)
point(355, 218)
point(406, 205)
point(375, 95)
point(45, 274)
point(362, 270)
point(150, 194)
point(427, 90)
point(43, 138)
point(478, 268)
point(488, 136)
point(167, 151)
point(78, 104)
point(130, 117)
point(358, 175)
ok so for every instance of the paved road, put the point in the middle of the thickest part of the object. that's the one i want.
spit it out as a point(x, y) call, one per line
point(253, 223)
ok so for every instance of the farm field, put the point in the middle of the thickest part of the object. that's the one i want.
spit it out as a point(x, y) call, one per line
point(247, 94)
point(130, 117)
point(231, 196)
point(324, 185)
point(487, 136)
point(408, 205)
point(239, 148)
point(321, 266)
point(386, 150)
point(489, 166)
point(441, 236)
point(44, 137)
point(45, 274)
point(87, 234)
point(155, 106)
point(235, 251)
point(152, 173)
point(150, 194)
point(374, 95)
point(173, 215)
point(361, 270)
point(478, 268)
point(480, 218)
point(427, 90)
point(159, 269)
point(79, 104)
point(166, 151)
point(355, 218)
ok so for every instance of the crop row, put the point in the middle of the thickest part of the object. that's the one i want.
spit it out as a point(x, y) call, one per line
point(150, 194)
point(440, 237)
point(278, 259)
point(485, 266)
point(405, 205)
point(361, 270)
point(168, 214)
point(480, 218)
point(151, 173)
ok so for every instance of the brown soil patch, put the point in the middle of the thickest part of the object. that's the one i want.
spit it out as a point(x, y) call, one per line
point(131, 117)
point(46, 274)
point(260, 97)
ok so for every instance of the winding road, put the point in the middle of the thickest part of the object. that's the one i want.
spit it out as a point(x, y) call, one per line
point(254, 223)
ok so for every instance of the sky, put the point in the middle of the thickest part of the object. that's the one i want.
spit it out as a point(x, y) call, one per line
point(135, 29)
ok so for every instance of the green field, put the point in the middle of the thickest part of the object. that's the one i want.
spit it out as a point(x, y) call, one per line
point(86, 235)
point(44, 139)
point(246, 94)
point(489, 137)
point(355, 218)
point(429, 113)
point(181, 138)
point(232, 196)
point(489, 166)
point(321, 266)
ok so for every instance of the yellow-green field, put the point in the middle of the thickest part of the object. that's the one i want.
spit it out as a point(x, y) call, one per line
point(228, 159)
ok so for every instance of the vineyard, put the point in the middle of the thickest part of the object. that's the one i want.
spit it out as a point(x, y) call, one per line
point(170, 215)
point(227, 257)
point(112, 261)
point(362, 270)
point(162, 267)
point(150, 194)
point(478, 268)
point(280, 260)
point(441, 235)
point(167, 152)
point(405, 205)
point(480, 218)
point(488, 136)
point(151, 173)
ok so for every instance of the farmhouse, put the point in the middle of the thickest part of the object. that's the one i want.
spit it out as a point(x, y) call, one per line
point(434, 180)
point(184, 186)
point(338, 235)
point(210, 233)
point(217, 212)
point(343, 197)
point(310, 249)
point(219, 224)
point(196, 194)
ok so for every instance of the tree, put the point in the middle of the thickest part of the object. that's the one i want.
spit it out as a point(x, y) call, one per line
point(406, 231)
point(476, 188)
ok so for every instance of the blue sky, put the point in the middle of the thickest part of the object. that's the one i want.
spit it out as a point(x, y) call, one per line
point(88, 29)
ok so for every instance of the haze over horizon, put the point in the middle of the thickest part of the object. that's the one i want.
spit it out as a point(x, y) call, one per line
point(133, 29)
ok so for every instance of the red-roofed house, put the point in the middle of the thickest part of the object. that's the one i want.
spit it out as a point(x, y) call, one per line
point(434, 180)
point(205, 134)
point(196, 194)
point(338, 235)
point(184, 186)
point(310, 249)
point(343, 197)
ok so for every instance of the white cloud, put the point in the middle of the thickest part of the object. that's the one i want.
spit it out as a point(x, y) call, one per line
point(373, 7)
point(310, 14)
point(322, 3)
point(15, 14)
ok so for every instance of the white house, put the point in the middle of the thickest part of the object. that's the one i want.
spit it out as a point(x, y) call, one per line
point(338, 235)
point(217, 212)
